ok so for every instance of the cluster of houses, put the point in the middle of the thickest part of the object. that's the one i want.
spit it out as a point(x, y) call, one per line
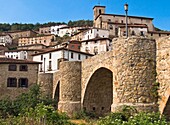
point(39, 51)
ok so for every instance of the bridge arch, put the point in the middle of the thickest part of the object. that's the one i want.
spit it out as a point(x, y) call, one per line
point(98, 96)
point(57, 94)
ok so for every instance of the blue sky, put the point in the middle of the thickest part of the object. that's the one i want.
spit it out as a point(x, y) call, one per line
point(42, 11)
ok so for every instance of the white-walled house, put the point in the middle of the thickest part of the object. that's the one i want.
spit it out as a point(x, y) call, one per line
point(96, 46)
point(55, 29)
point(51, 59)
point(22, 53)
point(95, 33)
point(5, 39)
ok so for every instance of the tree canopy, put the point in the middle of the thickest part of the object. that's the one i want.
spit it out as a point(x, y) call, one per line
point(29, 26)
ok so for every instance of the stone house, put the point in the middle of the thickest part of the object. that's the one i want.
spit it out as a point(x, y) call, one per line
point(45, 30)
point(19, 34)
point(17, 76)
point(52, 58)
point(42, 39)
point(34, 46)
point(5, 39)
point(133, 30)
point(96, 45)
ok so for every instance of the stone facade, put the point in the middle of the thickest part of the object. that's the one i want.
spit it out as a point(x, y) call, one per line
point(14, 89)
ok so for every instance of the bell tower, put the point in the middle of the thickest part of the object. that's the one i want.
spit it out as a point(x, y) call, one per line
point(97, 10)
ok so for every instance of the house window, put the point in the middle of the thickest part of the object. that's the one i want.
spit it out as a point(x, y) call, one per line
point(12, 67)
point(23, 68)
point(11, 82)
point(121, 21)
point(49, 55)
point(49, 66)
point(41, 57)
point(95, 50)
point(72, 46)
point(133, 32)
point(79, 57)
point(78, 47)
point(159, 35)
point(86, 57)
point(72, 55)
point(23, 82)
point(141, 33)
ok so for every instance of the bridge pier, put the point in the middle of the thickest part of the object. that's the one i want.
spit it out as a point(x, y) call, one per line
point(70, 87)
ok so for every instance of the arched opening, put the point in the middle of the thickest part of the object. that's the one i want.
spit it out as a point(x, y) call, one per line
point(57, 94)
point(166, 111)
point(98, 96)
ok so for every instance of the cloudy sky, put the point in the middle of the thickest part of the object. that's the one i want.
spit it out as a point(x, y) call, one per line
point(33, 11)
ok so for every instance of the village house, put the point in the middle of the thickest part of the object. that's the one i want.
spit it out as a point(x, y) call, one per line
point(133, 30)
point(19, 34)
point(96, 45)
point(34, 46)
point(17, 76)
point(45, 30)
point(41, 39)
point(55, 29)
point(22, 53)
point(5, 39)
point(52, 58)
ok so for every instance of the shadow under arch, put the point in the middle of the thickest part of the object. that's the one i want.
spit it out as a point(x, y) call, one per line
point(57, 94)
point(98, 96)
point(166, 111)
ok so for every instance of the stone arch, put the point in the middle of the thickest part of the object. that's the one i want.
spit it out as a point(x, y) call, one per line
point(57, 94)
point(98, 96)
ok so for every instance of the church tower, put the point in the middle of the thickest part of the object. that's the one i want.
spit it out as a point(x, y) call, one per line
point(97, 10)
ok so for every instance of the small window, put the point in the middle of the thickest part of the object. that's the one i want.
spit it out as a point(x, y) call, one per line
point(23, 82)
point(159, 35)
point(141, 33)
point(78, 47)
point(79, 57)
point(49, 55)
point(151, 34)
point(12, 67)
point(11, 82)
point(49, 66)
point(23, 68)
point(41, 57)
point(72, 46)
point(72, 56)
point(121, 21)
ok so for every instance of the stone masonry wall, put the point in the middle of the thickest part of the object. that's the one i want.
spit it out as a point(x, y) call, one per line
point(45, 81)
point(163, 72)
point(134, 73)
point(70, 87)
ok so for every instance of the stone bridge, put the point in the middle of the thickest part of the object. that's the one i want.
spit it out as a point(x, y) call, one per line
point(106, 82)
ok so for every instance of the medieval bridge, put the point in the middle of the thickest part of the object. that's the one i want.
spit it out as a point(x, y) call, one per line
point(105, 82)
